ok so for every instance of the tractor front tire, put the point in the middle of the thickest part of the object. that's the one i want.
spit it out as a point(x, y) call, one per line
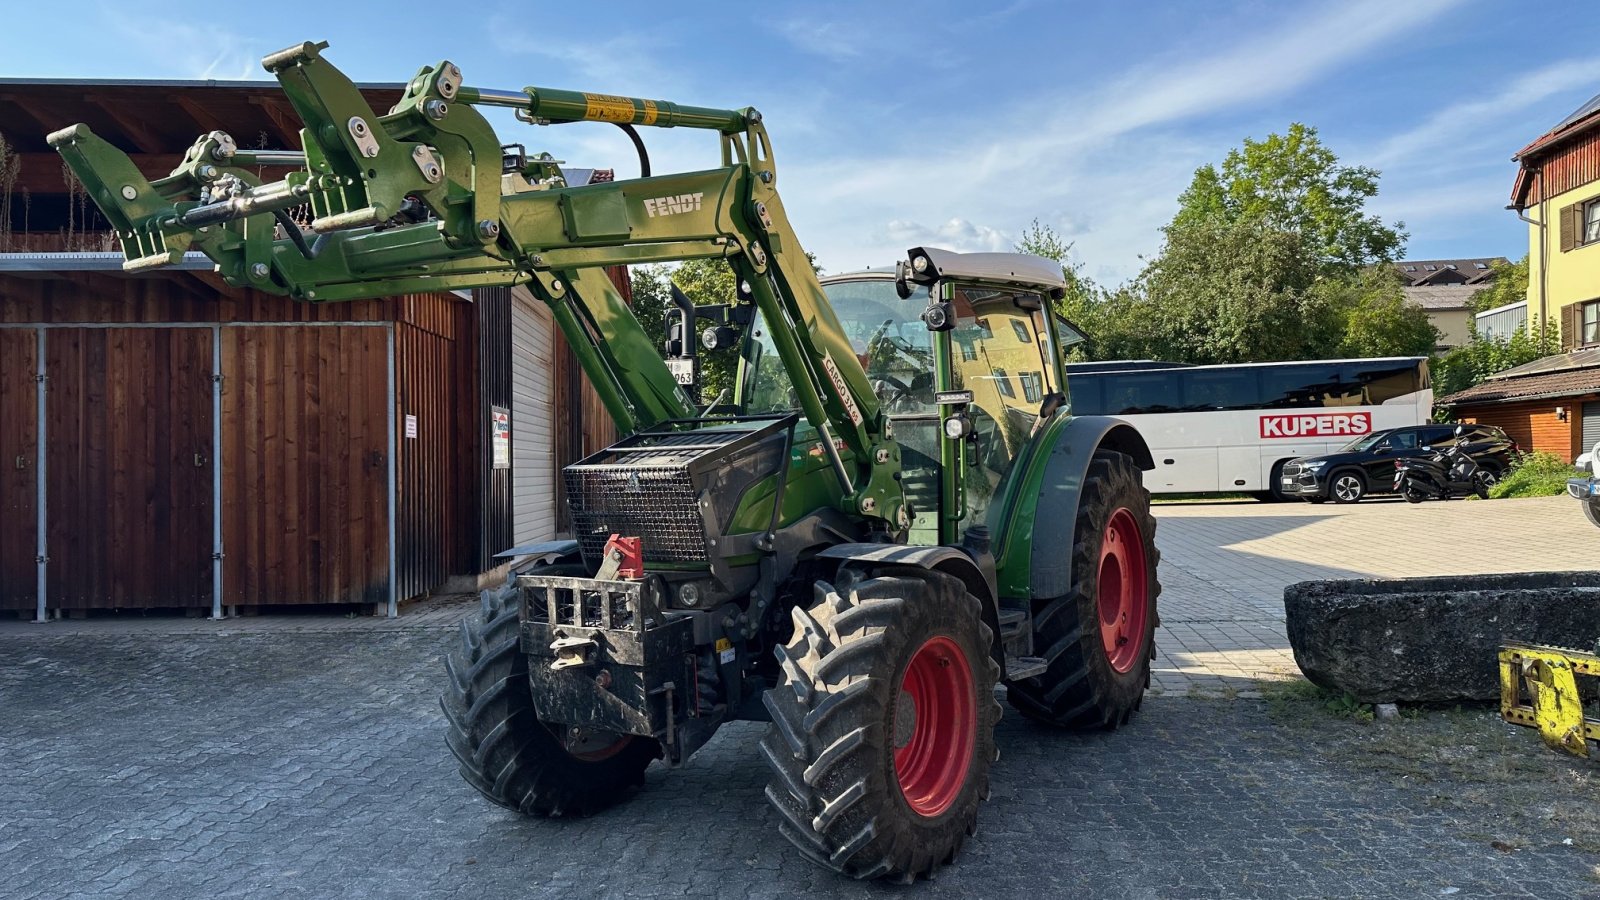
point(1098, 639)
point(503, 748)
point(883, 724)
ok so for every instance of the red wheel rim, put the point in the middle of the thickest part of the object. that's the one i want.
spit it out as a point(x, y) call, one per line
point(1123, 591)
point(933, 750)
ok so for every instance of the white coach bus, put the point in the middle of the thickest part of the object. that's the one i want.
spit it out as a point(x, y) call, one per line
point(1231, 428)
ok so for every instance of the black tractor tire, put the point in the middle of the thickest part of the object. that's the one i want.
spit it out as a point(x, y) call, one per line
point(844, 710)
point(1357, 491)
point(1081, 687)
point(503, 748)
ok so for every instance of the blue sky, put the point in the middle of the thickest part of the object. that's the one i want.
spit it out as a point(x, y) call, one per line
point(956, 124)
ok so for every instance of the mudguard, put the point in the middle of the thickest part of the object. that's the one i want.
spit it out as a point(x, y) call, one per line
point(1056, 511)
point(949, 560)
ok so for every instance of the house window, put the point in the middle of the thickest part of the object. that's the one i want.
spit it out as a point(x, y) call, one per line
point(969, 350)
point(1411, 268)
point(1031, 386)
point(1431, 268)
point(1024, 336)
point(1479, 265)
point(1003, 382)
point(1590, 329)
point(1591, 222)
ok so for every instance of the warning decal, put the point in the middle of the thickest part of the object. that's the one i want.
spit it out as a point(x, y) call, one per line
point(608, 108)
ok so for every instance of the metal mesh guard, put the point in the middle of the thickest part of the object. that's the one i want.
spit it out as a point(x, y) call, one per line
point(657, 505)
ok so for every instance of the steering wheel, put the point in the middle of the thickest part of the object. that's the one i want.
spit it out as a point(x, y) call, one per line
point(900, 393)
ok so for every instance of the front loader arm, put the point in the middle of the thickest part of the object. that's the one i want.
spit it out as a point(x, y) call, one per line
point(422, 198)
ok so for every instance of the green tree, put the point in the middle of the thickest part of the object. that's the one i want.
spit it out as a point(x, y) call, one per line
point(1378, 320)
point(1229, 292)
point(1510, 285)
point(1294, 183)
point(1482, 356)
point(705, 282)
point(1109, 317)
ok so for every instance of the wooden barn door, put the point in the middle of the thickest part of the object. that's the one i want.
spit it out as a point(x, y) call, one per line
point(128, 440)
point(305, 465)
point(19, 468)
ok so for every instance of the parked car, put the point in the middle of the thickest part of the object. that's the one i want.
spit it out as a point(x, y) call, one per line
point(1366, 465)
point(1587, 490)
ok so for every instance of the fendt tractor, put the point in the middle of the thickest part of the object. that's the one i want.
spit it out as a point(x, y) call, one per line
point(890, 514)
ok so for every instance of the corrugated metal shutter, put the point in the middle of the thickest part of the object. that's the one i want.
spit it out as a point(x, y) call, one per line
point(532, 419)
point(1591, 425)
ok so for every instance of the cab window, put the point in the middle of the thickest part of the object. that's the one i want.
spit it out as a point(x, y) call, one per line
point(1003, 357)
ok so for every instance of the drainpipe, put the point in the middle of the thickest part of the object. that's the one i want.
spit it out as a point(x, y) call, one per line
point(1544, 246)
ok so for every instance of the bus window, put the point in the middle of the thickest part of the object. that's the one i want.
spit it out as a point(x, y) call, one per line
point(1085, 395)
point(1133, 393)
point(1309, 385)
point(1381, 382)
point(1220, 389)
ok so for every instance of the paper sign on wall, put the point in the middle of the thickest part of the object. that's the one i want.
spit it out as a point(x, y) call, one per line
point(411, 426)
point(500, 436)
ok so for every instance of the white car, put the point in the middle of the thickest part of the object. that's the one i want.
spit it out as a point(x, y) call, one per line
point(1587, 490)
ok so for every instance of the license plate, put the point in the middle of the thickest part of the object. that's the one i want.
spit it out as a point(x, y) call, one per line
point(682, 370)
point(1288, 482)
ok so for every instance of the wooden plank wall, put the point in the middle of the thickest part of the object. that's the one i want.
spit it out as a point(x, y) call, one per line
point(1569, 166)
point(1533, 425)
point(305, 456)
point(196, 297)
point(19, 468)
point(436, 521)
point(305, 520)
point(129, 489)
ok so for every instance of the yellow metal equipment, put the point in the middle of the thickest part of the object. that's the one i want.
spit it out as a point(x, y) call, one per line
point(1539, 688)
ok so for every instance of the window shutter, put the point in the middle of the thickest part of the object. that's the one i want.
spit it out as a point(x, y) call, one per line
point(1570, 325)
point(1569, 231)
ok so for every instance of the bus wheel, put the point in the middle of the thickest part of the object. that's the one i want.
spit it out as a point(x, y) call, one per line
point(1274, 489)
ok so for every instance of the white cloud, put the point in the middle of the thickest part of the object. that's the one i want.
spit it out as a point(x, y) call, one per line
point(1454, 126)
point(1110, 158)
point(175, 49)
point(831, 40)
point(954, 234)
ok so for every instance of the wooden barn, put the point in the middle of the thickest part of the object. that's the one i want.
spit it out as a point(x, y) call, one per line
point(172, 442)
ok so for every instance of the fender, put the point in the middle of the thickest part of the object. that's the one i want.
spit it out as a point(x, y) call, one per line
point(949, 560)
point(1044, 528)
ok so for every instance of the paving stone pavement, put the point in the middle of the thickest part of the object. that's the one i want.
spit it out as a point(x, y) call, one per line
point(312, 765)
point(1224, 566)
point(303, 756)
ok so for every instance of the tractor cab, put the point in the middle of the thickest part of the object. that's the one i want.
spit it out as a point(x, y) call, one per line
point(963, 397)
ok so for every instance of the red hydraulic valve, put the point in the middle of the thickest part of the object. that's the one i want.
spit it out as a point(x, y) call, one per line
point(630, 557)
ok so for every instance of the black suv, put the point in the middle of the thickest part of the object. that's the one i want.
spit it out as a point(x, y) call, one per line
point(1366, 465)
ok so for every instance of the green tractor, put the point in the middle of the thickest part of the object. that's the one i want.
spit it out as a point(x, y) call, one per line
point(891, 514)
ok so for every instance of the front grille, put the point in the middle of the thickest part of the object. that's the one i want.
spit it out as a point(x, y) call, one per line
point(649, 485)
point(1291, 468)
point(657, 505)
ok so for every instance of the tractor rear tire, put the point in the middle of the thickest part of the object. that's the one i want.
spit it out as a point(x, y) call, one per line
point(504, 750)
point(883, 724)
point(1099, 638)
